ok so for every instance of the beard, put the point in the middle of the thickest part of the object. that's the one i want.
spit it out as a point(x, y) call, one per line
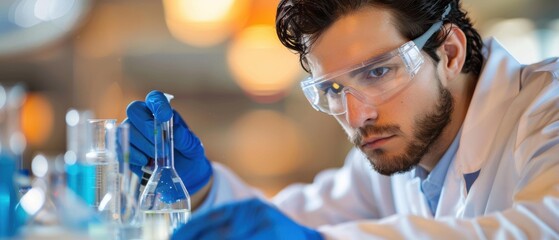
point(428, 128)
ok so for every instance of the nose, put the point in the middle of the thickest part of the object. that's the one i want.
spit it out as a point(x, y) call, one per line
point(359, 113)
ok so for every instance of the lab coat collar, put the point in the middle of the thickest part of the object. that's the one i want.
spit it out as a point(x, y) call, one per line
point(498, 83)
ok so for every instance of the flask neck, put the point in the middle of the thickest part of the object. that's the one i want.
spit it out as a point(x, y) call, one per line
point(164, 144)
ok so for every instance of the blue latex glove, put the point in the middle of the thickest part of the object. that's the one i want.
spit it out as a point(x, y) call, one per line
point(190, 161)
point(248, 219)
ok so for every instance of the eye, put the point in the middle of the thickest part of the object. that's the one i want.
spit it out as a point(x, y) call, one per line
point(378, 72)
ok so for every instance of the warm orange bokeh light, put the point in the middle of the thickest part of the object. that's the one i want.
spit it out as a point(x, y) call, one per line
point(37, 118)
point(265, 143)
point(204, 23)
point(263, 12)
point(260, 64)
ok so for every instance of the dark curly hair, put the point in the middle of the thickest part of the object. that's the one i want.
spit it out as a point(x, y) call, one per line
point(300, 22)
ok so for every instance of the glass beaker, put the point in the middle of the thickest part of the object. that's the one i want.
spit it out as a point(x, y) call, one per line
point(104, 169)
point(165, 202)
point(8, 195)
point(11, 148)
point(79, 174)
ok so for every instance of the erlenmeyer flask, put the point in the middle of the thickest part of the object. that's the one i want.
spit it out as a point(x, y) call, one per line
point(165, 202)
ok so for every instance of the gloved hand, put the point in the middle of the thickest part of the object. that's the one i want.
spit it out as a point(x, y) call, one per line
point(190, 161)
point(248, 219)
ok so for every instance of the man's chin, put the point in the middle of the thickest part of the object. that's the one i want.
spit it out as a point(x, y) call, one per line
point(388, 165)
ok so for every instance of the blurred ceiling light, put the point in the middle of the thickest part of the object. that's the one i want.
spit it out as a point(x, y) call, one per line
point(265, 143)
point(263, 12)
point(33, 23)
point(204, 23)
point(518, 35)
point(22, 13)
point(203, 11)
point(37, 119)
point(261, 66)
point(47, 10)
point(27, 13)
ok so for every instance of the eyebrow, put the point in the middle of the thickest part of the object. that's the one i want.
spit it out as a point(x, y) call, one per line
point(373, 60)
point(359, 70)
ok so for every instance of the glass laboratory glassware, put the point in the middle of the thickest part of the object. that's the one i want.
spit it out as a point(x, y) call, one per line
point(11, 148)
point(8, 192)
point(54, 211)
point(165, 202)
point(40, 201)
point(147, 170)
point(79, 174)
point(127, 185)
point(129, 227)
point(104, 167)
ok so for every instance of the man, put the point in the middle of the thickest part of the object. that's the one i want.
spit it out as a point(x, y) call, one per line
point(463, 141)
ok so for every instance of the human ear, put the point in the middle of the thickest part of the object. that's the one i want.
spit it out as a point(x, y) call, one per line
point(452, 52)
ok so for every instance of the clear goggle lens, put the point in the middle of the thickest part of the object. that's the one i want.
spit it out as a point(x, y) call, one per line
point(372, 82)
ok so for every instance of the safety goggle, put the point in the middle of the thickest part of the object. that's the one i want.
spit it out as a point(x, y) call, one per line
point(373, 81)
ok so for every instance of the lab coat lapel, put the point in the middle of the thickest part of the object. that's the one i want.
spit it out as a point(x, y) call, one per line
point(495, 89)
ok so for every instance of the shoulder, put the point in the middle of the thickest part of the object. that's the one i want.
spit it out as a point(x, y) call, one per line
point(539, 86)
point(542, 73)
point(538, 126)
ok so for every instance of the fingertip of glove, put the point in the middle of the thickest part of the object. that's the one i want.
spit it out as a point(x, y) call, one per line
point(154, 93)
point(159, 105)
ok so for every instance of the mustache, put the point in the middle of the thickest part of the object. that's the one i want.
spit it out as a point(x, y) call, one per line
point(368, 130)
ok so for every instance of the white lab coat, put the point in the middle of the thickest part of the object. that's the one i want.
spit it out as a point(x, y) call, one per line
point(511, 133)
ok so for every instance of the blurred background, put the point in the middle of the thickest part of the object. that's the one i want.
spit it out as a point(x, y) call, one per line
point(233, 82)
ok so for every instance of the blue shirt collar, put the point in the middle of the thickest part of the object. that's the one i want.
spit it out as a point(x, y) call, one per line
point(432, 183)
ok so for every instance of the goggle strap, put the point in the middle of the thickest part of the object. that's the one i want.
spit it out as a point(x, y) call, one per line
point(421, 40)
